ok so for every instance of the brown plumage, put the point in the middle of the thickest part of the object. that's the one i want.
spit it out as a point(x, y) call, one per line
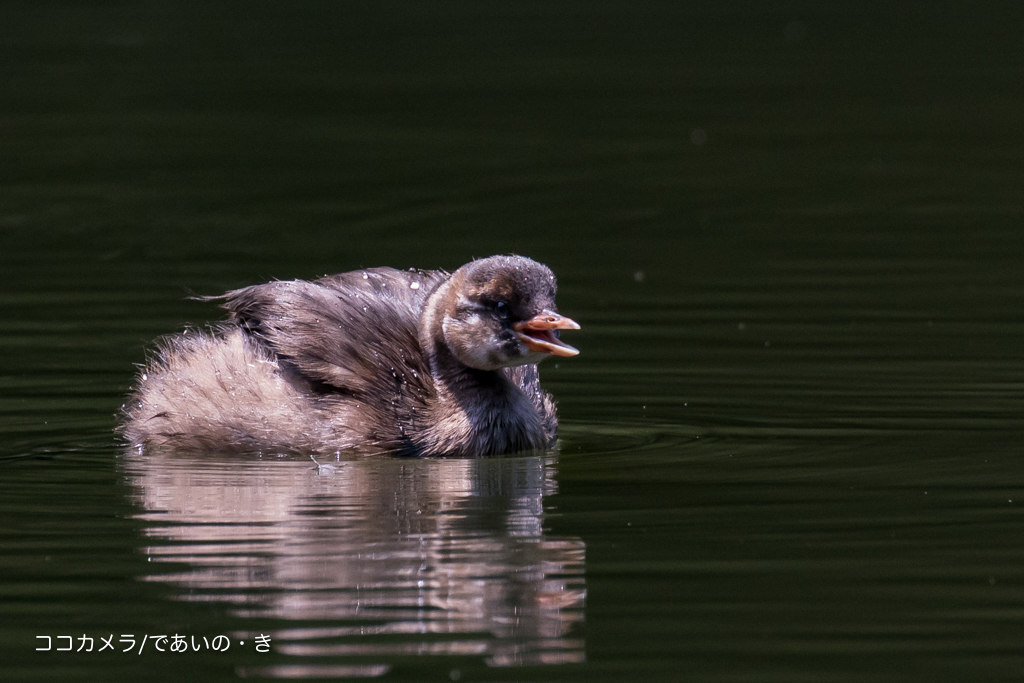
point(413, 362)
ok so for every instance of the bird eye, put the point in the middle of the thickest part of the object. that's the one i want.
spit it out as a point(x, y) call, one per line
point(503, 309)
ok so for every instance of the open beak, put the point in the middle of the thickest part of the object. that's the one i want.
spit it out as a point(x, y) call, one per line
point(539, 336)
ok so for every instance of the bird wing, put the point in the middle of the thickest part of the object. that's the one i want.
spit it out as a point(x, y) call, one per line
point(356, 332)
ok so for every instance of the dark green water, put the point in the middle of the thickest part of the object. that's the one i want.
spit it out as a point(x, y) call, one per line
point(791, 232)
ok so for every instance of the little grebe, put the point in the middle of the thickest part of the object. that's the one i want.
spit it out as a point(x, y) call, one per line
point(419, 362)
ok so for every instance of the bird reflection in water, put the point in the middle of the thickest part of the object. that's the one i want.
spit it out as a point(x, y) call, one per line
point(383, 557)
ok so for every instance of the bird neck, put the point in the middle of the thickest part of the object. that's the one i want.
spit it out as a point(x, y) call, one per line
point(478, 412)
point(454, 380)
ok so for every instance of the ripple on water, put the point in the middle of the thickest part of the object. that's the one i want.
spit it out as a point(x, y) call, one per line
point(376, 557)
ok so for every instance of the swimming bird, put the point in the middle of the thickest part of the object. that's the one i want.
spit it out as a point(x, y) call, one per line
point(417, 362)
